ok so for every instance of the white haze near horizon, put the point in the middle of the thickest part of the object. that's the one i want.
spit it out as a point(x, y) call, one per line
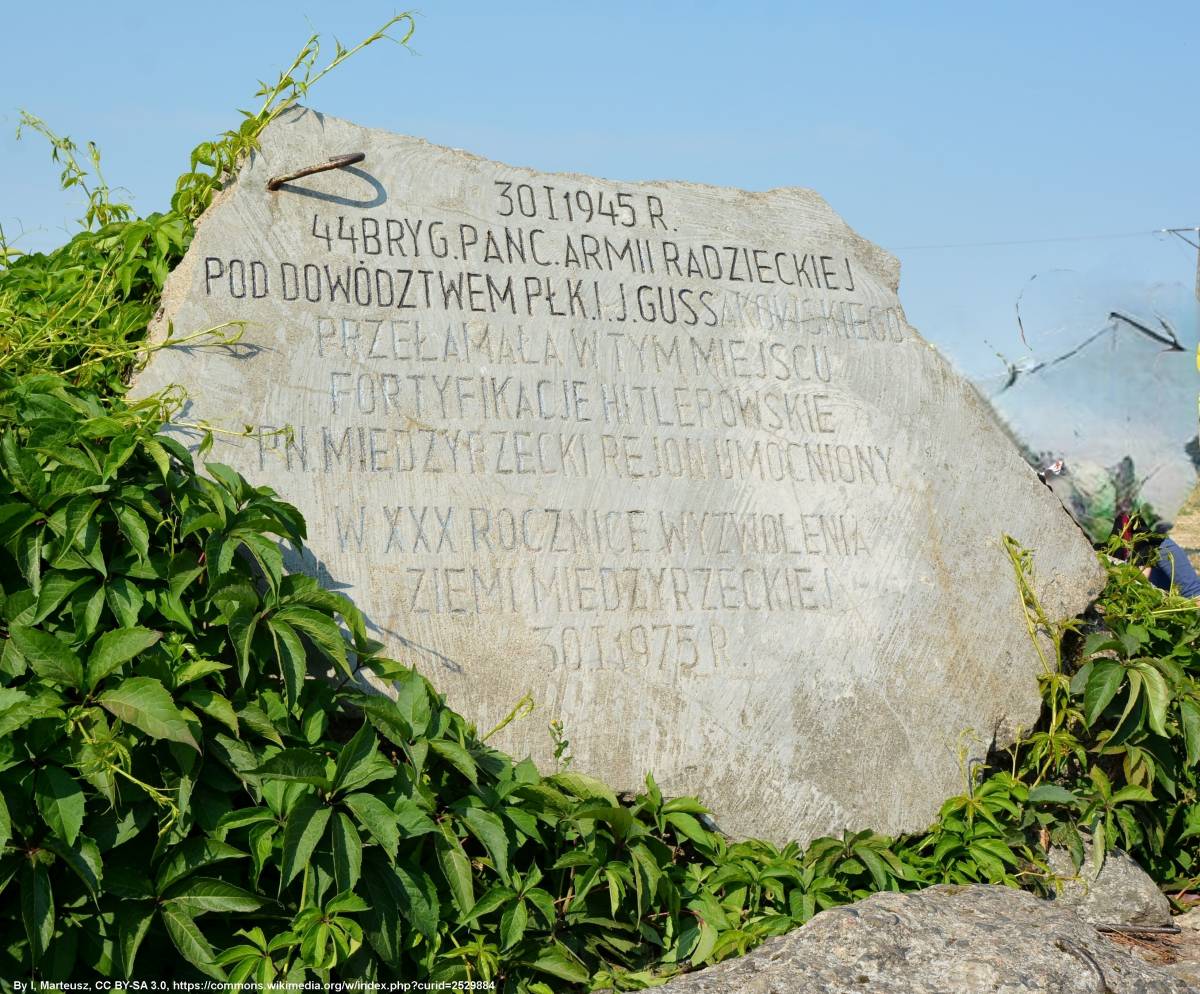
point(1106, 370)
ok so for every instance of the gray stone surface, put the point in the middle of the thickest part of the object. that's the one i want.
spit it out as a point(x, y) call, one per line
point(667, 456)
point(1122, 893)
point(1189, 920)
point(1182, 952)
point(944, 940)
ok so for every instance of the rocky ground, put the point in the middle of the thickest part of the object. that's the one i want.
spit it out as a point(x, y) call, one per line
point(1177, 954)
point(957, 940)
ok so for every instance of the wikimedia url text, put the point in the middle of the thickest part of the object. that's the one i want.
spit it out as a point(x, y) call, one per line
point(188, 986)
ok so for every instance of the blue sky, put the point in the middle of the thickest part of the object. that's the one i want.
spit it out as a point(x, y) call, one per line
point(921, 123)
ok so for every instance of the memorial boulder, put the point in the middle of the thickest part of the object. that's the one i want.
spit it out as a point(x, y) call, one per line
point(666, 457)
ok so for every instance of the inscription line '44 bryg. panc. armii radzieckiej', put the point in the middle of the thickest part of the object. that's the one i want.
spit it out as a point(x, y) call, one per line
point(668, 457)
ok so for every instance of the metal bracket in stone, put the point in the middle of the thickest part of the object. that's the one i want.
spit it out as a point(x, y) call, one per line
point(334, 162)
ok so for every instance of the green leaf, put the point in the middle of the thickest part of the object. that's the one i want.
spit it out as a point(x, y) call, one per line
point(383, 925)
point(346, 902)
point(412, 701)
point(1101, 781)
point(261, 839)
point(494, 898)
point(512, 925)
point(1134, 698)
point(133, 527)
point(457, 756)
point(236, 597)
point(265, 552)
point(996, 848)
point(1189, 719)
point(48, 657)
point(412, 819)
point(293, 663)
point(253, 718)
point(321, 630)
point(82, 536)
point(354, 756)
point(214, 705)
point(387, 719)
point(192, 523)
point(686, 805)
point(1102, 686)
point(125, 600)
point(197, 669)
point(115, 648)
point(133, 922)
point(619, 818)
point(1191, 822)
point(875, 865)
point(28, 555)
point(61, 802)
point(190, 941)
point(543, 903)
point(5, 824)
point(689, 827)
point(37, 909)
point(558, 961)
point(304, 828)
point(11, 698)
point(159, 455)
point(237, 757)
point(1131, 792)
point(243, 817)
point(190, 856)
point(145, 704)
point(46, 704)
point(420, 903)
point(242, 627)
point(378, 819)
point(456, 868)
point(295, 766)
point(83, 860)
point(87, 605)
point(1051, 793)
point(22, 469)
point(1159, 696)
point(197, 895)
point(584, 787)
point(347, 852)
point(14, 518)
point(109, 828)
point(706, 945)
point(487, 827)
point(57, 586)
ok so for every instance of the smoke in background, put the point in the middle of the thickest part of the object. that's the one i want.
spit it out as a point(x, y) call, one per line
point(1099, 385)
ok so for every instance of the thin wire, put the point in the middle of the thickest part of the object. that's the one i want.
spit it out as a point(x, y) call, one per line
point(1179, 233)
point(1028, 241)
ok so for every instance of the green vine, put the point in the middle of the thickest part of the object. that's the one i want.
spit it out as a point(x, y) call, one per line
point(183, 795)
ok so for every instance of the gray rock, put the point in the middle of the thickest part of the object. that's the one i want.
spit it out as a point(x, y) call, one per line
point(944, 940)
point(1121, 894)
point(668, 457)
point(1189, 920)
point(1183, 950)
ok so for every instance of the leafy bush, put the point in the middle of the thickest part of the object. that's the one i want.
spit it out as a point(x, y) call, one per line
point(1120, 731)
point(193, 780)
point(167, 755)
point(176, 780)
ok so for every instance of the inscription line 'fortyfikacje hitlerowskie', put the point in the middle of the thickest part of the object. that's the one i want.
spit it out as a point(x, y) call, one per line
point(668, 457)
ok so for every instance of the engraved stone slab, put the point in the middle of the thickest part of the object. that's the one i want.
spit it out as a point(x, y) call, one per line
point(667, 456)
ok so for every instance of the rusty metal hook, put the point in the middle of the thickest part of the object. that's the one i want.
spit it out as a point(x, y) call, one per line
point(334, 162)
